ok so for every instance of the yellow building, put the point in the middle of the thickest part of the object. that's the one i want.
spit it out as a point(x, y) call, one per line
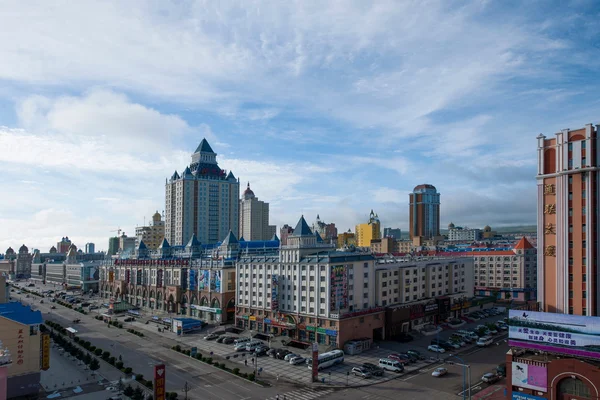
point(153, 234)
point(20, 334)
point(369, 231)
point(346, 239)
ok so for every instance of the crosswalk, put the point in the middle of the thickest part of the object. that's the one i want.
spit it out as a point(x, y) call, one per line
point(302, 394)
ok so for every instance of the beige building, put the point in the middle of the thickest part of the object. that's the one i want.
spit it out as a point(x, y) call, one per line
point(254, 217)
point(19, 333)
point(152, 234)
point(346, 239)
point(369, 231)
point(390, 245)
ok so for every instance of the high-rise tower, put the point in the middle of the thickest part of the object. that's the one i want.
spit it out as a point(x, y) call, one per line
point(567, 222)
point(424, 215)
point(203, 200)
point(254, 217)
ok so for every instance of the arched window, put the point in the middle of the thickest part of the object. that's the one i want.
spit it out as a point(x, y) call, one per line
point(575, 387)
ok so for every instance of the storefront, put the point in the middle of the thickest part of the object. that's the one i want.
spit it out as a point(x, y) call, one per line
point(214, 314)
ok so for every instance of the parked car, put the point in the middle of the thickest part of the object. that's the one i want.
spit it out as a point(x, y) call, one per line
point(288, 356)
point(485, 341)
point(362, 372)
point(239, 347)
point(221, 338)
point(490, 378)
point(272, 353)
point(435, 348)
point(399, 357)
point(76, 321)
point(453, 344)
point(297, 360)
point(281, 353)
point(53, 308)
point(93, 307)
point(261, 351)
point(373, 369)
point(211, 336)
point(439, 372)
point(228, 340)
point(404, 338)
point(31, 285)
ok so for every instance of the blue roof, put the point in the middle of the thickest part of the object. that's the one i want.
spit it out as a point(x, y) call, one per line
point(204, 147)
point(16, 311)
point(302, 228)
point(188, 320)
point(259, 244)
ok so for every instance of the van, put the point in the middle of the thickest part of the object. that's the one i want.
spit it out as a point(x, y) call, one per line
point(485, 341)
point(253, 344)
point(391, 365)
point(241, 340)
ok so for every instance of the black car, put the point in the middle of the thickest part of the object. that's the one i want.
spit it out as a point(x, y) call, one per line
point(228, 340)
point(221, 338)
point(404, 338)
point(281, 354)
point(373, 369)
point(76, 321)
point(261, 351)
point(272, 353)
point(443, 344)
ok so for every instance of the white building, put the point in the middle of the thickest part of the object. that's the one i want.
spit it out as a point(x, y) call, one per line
point(202, 201)
point(309, 292)
point(254, 217)
point(460, 234)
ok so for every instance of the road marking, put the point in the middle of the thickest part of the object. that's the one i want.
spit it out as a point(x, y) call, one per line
point(476, 386)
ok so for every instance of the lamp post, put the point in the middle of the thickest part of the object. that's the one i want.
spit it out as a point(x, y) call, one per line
point(465, 366)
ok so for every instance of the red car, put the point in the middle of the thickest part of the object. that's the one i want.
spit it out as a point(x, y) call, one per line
point(397, 357)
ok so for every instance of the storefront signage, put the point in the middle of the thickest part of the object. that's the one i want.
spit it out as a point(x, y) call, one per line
point(208, 309)
point(275, 292)
point(244, 317)
point(321, 330)
point(443, 305)
point(45, 356)
point(267, 321)
point(331, 332)
point(339, 288)
point(524, 396)
point(431, 309)
point(417, 311)
point(252, 318)
point(310, 328)
point(159, 381)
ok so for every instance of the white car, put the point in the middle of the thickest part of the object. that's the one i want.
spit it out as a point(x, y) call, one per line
point(111, 389)
point(435, 348)
point(240, 347)
point(439, 372)
point(288, 357)
point(454, 344)
point(297, 360)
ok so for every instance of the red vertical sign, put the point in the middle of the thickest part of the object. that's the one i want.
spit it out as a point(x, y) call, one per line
point(159, 382)
point(315, 362)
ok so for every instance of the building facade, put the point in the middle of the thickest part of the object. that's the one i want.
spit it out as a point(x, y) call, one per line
point(507, 274)
point(567, 231)
point(460, 234)
point(346, 239)
point(63, 245)
point(20, 334)
point(90, 248)
point(369, 231)
point(308, 291)
point(113, 245)
point(424, 212)
point(284, 232)
point(203, 201)
point(254, 217)
point(395, 233)
point(328, 232)
point(153, 234)
point(388, 245)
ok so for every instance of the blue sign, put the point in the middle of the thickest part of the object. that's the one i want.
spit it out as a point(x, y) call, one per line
point(184, 278)
point(267, 321)
point(525, 396)
point(331, 332)
point(193, 280)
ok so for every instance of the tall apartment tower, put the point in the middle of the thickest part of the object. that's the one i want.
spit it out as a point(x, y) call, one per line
point(90, 248)
point(254, 217)
point(424, 212)
point(567, 222)
point(203, 200)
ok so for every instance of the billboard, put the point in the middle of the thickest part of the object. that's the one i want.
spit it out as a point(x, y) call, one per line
point(339, 288)
point(530, 376)
point(184, 279)
point(275, 292)
point(524, 396)
point(193, 280)
point(159, 278)
point(573, 335)
point(203, 279)
point(215, 281)
point(159, 382)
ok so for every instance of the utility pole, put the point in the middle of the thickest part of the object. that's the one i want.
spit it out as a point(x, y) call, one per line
point(186, 389)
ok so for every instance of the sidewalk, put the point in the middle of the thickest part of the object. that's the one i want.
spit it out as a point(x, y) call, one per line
point(493, 392)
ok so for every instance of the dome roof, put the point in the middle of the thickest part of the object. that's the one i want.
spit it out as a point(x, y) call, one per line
point(487, 228)
point(248, 193)
point(424, 186)
point(23, 249)
point(10, 251)
point(451, 225)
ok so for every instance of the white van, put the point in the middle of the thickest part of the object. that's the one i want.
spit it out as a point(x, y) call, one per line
point(241, 340)
point(391, 365)
point(485, 341)
point(253, 344)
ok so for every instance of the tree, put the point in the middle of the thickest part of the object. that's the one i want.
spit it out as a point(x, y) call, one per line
point(87, 358)
point(128, 391)
point(138, 394)
point(94, 365)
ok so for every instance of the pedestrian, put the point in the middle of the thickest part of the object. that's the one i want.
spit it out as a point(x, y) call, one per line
point(277, 396)
point(246, 362)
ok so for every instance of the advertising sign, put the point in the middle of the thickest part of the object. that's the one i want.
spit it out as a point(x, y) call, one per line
point(573, 335)
point(215, 281)
point(193, 280)
point(275, 292)
point(184, 279)
point(159, 278)
point(315, 362)
point(431, 309)
point(203, 279)
point(529, 376)
point(339, 288)
point(45, 355)
point(159, 381)
point(524, 396)
point(111, 276)
point(443, 305)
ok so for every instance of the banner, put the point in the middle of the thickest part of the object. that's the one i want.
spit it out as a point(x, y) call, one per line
point(184, 279)
point(274, 292)
point(159, 278)
point(315, 362)
point(45, 354)
point(159, 382)
point(203, 279)
point(193, 280)
point(339, 288)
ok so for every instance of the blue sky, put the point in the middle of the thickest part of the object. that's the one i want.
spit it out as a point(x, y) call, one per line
point(331, 108)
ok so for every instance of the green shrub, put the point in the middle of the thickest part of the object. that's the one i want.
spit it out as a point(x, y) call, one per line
point(98, 352)
point(209, 360)
point(236, 371)
point(119, 364)
point(251, 377)
point(178, 348)
point(92, 348)
point(112, 360)
point(128, 391)
point(127, 370)
point(198, 356)
point(120, 325)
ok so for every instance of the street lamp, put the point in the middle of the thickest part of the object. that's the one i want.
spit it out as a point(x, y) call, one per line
point(468, 367)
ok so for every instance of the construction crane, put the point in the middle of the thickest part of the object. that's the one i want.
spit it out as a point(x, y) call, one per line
point(118, 231)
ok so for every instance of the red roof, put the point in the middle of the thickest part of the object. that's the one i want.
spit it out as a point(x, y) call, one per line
point(523, 244)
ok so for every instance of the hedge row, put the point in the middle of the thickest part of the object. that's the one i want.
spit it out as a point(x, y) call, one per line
point(236, 371)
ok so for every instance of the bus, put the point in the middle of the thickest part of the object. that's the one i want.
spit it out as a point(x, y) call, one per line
point(328, 359)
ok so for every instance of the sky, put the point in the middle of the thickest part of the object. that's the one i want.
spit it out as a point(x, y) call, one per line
point(331, 108)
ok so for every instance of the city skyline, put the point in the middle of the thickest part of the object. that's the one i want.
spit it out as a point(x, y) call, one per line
point(88, 138)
